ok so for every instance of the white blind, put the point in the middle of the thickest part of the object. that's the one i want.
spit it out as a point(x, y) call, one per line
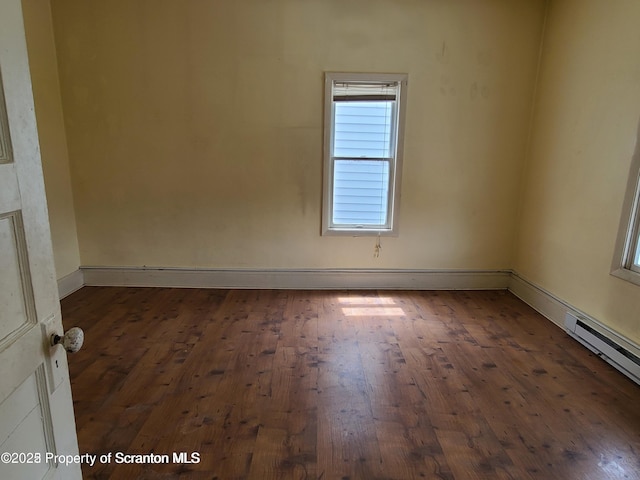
point(364, 91)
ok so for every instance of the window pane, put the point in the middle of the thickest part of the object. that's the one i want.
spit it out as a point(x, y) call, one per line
point(362, 129)
point(636, 260)
point(360, 192)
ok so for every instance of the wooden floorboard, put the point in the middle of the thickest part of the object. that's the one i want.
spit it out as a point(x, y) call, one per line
point(331, 385)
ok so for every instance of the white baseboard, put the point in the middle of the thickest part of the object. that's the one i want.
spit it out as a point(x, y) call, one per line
point(544, 302)
point(324, 279)
point(556, 309)
point(70, 283)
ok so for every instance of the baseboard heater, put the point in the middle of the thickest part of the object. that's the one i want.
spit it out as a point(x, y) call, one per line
point(614, 352)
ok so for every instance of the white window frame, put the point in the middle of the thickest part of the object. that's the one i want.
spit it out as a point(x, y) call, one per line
point(395, 162)
point(629, 231)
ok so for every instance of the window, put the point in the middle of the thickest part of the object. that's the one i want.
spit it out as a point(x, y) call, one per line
point(626, 262)
point(634, 260)
point(364, 116)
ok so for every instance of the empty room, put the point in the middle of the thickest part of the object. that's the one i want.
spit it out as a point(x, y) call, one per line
point(320, 239)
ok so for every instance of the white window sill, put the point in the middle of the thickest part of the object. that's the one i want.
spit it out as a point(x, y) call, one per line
point(358, 232)
point(628, 275)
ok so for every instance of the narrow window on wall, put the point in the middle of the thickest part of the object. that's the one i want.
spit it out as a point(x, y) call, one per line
point(626, 263)
point(632, 260)
point(364, 119)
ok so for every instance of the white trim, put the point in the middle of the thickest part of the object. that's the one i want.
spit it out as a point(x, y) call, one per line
point(70, 283)
point(555, 309)
point(395, 167)
point(627, 274)
point(322, 279)
point(544, 302)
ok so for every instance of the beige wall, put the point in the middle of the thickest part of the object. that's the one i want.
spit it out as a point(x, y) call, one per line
point(195, 128)
point(53, 146)
point(583, 140)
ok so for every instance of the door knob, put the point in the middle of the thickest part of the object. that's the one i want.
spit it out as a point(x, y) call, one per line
point(71, 341)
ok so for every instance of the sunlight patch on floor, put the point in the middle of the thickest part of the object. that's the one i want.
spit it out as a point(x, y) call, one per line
point(370, 307)
point(366, 301)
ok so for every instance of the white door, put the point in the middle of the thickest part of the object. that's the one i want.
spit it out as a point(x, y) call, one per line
point(36, 411)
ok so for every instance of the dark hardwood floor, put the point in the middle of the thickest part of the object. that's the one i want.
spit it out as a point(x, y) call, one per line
point(343, 385)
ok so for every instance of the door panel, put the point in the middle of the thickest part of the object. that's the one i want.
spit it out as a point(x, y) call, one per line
point(30, 429)
point(36, 410)
point(16, 294)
